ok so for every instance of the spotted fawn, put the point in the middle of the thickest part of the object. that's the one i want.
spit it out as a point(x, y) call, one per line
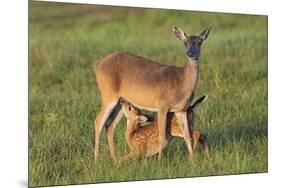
point(144, 140)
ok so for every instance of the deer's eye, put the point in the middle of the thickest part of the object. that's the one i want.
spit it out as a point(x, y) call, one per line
point(129, 108)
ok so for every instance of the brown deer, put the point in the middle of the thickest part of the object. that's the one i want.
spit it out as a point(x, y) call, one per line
point(148, 85)
point(144, 140)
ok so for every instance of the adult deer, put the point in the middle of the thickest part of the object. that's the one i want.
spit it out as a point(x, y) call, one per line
point(147, 85)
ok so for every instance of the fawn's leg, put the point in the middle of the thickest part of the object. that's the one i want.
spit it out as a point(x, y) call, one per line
point(204, 142)
point(130, 155)
point(195, 139)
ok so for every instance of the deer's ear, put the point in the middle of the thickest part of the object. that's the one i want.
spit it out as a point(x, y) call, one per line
point(141, 118)
point(180, 33)
point(204, 34)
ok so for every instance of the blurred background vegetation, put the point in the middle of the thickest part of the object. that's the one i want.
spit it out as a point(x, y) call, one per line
point(66, 39)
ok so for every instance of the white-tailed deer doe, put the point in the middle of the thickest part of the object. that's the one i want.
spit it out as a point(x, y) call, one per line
point(147, 85)
point(144, 140)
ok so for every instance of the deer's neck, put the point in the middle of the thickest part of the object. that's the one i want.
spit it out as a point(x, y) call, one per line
point(191, 73)
point(132, 126)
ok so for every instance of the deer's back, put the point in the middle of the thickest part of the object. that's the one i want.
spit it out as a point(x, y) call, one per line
point(126, 74)
point(133, 67)
point(124, 60)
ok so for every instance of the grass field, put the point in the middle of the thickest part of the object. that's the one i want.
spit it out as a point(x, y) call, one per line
point(66, 39)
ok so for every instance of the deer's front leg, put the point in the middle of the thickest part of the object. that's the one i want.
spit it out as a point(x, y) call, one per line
point(181, 117)
point(162, 116)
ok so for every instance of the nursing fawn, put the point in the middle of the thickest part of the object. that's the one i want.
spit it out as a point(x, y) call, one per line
point(144, 140)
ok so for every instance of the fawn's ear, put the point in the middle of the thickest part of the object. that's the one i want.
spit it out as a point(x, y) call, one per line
point(204, 34)
point(122, 100)
point(150, 118)
point(198, 102)
point(141, 118)
point(180, 33)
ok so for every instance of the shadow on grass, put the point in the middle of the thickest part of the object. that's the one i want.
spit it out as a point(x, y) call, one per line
point(226, 137)
point(246, 132)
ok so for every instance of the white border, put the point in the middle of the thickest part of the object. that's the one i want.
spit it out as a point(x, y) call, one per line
point(13, 82)
point(232, 6)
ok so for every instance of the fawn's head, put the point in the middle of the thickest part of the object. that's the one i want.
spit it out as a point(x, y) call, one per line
point(131, 112)
point(192, 43)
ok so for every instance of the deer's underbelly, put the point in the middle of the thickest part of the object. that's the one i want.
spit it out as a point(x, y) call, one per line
point(181, 105)
point(149, 108)
point(151, 105)
point(141, 101)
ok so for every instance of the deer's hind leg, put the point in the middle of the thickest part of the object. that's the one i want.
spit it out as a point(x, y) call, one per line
point(110, 131)
point(100, 122)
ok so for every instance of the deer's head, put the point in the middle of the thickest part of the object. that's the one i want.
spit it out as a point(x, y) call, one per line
point(192, 43)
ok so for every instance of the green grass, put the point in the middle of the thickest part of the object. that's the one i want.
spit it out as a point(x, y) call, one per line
point(65, 40)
